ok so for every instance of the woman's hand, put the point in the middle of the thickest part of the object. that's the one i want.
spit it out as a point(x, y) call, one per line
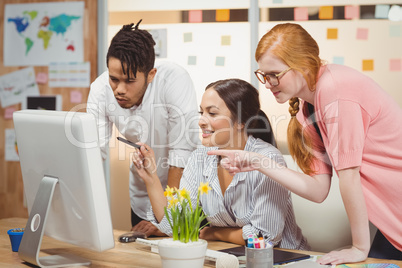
point(236, 161)
point(349, 255)
point(207, 233)
point(145, 164)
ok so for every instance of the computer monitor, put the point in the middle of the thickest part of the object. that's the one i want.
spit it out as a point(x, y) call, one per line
point(64, 184)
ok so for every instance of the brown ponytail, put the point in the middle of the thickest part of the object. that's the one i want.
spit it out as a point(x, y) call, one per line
point(298, 141)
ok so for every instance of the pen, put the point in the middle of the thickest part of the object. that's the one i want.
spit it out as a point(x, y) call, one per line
point(256, 243)
point(261, 241)
point(250, 241)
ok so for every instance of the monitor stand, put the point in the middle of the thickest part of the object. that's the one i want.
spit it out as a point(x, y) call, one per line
point(31, 240)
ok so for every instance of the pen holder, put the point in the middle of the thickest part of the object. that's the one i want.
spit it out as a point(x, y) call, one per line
point(260, 257)
point(15, 238)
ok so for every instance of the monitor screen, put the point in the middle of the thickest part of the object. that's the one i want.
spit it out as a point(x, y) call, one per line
point(64, 182)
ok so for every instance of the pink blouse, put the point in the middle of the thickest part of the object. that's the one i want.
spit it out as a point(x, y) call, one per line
point(361, 125)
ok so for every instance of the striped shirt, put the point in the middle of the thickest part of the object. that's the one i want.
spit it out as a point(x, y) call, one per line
point(252, 201)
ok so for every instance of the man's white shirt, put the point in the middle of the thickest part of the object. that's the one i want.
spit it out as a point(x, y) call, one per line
point(166, 120)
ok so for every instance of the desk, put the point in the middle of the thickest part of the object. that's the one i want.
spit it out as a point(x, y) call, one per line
point(123, 255)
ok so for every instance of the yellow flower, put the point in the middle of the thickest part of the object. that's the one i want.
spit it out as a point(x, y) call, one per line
point(184, 219)
point(173, 202)
point(184, 193)
point(204, 188)
point(169, 192)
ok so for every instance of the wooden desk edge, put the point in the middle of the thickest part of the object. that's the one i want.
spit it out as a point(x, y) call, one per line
point(9, 223)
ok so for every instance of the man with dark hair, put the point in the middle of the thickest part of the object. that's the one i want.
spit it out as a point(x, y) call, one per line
point(149, 103)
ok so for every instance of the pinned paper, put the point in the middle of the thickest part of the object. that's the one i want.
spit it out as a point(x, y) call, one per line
point(195, 16)
point(352, 12)
point(395, 30)
point(188, 37)
point(381, 11)
point(8, 112)
point(368, 65)
point(41, 78)
point(362, 33)
point(326, 13)
point(220, 61)
point(15, 86)
point(395, 65)
point(10, 146)
point(332, 33)
point(222, 15)
point(69, 74)
point(338, 60)
point(225, 40)
point(160, 38)
point(75, 96)
point(192, 60)
point(300, 13)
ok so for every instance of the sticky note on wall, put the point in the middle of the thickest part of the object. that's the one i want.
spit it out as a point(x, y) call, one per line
point(75, 96)
point(362, 33)
point(368, 65)
point(187, 37)
point(332, 33)
point(326, 13)
point(395, 30)
point(222, 15)
point(195, 16)
point(220, 61)
point(352, 12)
point(300, 13)
point(225, 40)
point(395, 65)
point(41, 78)
point(381, 11)
point(8, 112)
point(192, 60)
point(338, 60)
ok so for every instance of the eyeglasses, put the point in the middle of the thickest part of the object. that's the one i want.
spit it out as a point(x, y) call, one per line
point(272, 79)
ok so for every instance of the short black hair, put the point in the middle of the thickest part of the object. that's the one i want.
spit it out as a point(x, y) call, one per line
point(134, 48)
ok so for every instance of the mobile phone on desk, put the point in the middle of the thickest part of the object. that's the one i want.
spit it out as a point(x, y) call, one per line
point(129, 142)
point(131, 236)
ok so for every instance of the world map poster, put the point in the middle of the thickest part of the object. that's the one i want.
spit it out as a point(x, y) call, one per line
point(40, 33)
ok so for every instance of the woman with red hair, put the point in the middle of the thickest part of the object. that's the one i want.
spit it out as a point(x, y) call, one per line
point(342, 120)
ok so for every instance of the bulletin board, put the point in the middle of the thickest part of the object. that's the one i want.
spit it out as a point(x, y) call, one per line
point(71, 95)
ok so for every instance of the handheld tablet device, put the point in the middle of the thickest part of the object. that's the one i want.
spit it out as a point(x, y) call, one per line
point(128, 142)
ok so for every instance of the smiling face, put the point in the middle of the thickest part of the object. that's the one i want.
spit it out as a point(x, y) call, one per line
point(291, 84)
point(216, 123)
point(128, 92)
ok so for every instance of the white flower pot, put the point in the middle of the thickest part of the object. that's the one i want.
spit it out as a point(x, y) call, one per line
point(175, 254)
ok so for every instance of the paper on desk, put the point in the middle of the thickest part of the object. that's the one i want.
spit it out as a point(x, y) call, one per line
point(370, 265)
point(306, 264)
